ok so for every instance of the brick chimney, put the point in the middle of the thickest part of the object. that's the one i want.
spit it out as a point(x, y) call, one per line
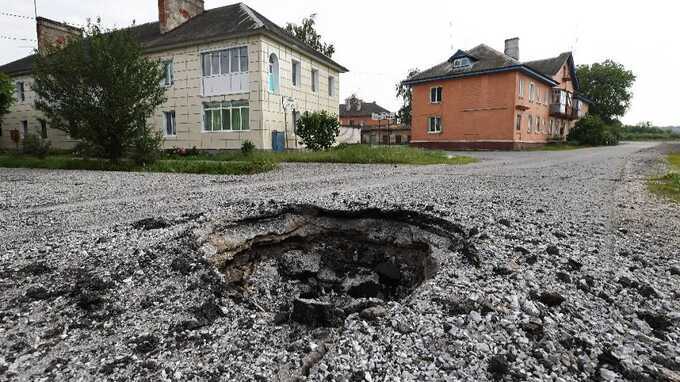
point(512, 48)
point(54, 33)
point(174, 13)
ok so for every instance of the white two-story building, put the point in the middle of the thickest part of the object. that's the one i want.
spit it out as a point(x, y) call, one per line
point(231, 75)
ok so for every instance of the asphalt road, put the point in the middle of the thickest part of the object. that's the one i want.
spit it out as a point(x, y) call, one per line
point(576, 226)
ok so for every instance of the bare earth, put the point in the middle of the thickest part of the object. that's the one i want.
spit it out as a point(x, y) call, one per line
point(577, 275)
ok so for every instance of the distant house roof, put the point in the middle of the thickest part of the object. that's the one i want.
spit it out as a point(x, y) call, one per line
point(484, 60)
point(551, 66)
point(366, 110)
point(212, 25)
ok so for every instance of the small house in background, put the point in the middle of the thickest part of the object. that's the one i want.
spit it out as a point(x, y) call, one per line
point(485, 99)
point(375, 124)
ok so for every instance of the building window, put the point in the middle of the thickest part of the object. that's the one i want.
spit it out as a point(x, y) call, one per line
point(168, 73)
point(24, 128)
point(21, 94)
point(331, 86)
point(223, 62)
point(170, 124)
point(552, 126)
point(351, 123)
point(315, 80)
point(518, 123)
point(434, 125)
point(461, 62)
point(43, 128)
point(531, 124)
point(273, 74)
point(226, 116)
point(532, 89)
point(436, 95)
point(521, 88)
point(296, 72)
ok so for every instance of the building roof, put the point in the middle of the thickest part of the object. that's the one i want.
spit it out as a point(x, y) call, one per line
point(367, 110)
point(549, 66)
point(485, 60)
point(212, 25)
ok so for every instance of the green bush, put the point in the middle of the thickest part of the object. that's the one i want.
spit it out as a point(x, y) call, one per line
point(247, 148)
point(36, 146)
point(146, 148)
point(318, 131)
point(592, 131)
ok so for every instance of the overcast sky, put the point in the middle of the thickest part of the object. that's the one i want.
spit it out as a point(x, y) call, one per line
point(379, 41)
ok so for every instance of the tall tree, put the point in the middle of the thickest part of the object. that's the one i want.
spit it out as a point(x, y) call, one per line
point(307, 32)
point(6, 95)
point(100, 89)
point(608, 85)
point(405, 93)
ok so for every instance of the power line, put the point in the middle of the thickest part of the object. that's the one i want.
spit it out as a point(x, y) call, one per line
point(17, 38)
point(17, 16)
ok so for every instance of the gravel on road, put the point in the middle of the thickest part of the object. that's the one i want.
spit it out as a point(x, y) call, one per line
point(526, 266)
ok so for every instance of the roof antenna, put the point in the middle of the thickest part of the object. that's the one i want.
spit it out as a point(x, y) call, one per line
point(35, 8)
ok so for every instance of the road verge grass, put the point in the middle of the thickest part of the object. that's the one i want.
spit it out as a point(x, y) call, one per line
point(162, 166)
point(237, 163)
point(669, 184)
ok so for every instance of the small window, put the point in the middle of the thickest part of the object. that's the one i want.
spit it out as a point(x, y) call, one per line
point(315, 80)
point(530, 127)
point(168, 73)
point(436, 95)
point(24, 128)
point(521, 88)
point(518, 123)
point(434, 125)
point(296, 73)
point(532, 90)
point(461, 62)
point(21, 94)
point(43, 128)
point(331, 86)
point(273, 73)
point(170, 124)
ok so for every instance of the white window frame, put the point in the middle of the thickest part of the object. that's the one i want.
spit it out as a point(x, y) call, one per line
point(20, 88)
point(239, 105)
point(518, 122)
point(315, 80)
point(521, 88)
point(532, 90)
point(296, 73)
point(434, 124)
point(168, 73)
point(331, 86)
point(462, 62)
point(173, 121)
point(530, 123)
point(219, 51)
point(434, 92)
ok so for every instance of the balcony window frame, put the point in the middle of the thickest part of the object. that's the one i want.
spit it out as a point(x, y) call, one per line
point(220, 52)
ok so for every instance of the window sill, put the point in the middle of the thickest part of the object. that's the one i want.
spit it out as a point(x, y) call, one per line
point(225, 131)
point(435, 103)
point(434, 132)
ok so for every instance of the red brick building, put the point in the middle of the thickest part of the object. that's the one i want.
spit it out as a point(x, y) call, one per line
point(482, 98)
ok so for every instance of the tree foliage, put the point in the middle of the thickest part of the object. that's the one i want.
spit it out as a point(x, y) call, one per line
point(6, 95)
point(593, 131)
point(405, 93)
point(100, 89)
point(306, 32)
point(608, 85)
point(318, 131)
